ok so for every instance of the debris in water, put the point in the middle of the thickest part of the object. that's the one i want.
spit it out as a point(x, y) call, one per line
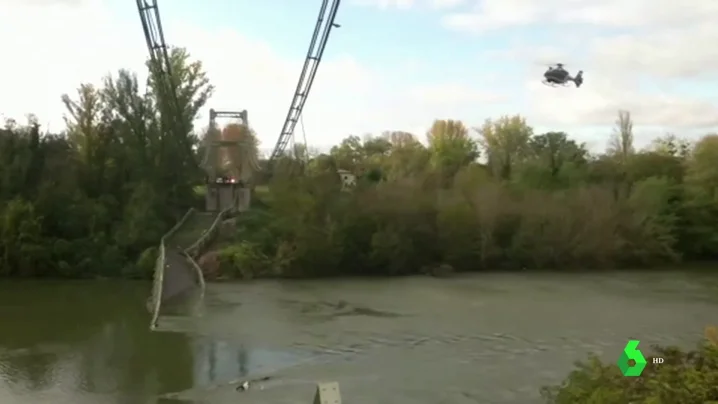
point(245, 384)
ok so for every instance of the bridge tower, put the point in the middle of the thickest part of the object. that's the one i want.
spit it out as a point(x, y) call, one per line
point(225, 185)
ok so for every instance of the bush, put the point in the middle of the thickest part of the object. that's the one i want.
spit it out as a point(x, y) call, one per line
point(685, 377)
point(244, 260)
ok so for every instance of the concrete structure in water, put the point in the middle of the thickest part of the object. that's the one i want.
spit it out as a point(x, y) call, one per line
point(327, 393)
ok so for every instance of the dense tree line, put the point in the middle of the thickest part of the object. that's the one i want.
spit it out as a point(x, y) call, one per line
point(90, 200)
point(494, 197)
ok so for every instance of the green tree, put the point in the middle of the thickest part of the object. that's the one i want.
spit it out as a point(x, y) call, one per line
point(87, 202)
point(450, 148)
point(407, 156)
point(700, 229)
point(505, 143)
point(349, 153)
point(671, 145)
point(553, 159)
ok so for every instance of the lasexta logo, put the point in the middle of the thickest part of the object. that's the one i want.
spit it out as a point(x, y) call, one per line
point(631, 352)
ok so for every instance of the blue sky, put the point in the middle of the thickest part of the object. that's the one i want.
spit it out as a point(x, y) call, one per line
point(399, 67)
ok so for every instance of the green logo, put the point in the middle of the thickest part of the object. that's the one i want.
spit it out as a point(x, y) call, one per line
point(631, 352)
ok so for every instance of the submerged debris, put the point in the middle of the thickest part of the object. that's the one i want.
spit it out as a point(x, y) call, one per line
point(244, 386)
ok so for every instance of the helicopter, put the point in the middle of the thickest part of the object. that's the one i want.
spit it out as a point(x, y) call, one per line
point(556, 75)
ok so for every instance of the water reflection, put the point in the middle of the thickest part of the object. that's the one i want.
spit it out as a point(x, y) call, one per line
point(70, 342)
point(218, 362)
point(483, 339)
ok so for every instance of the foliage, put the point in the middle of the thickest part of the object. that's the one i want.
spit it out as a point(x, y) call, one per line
point(245, 259)
point(91, 200)
point(507, 198)
point(88, 201)
point(683, 377)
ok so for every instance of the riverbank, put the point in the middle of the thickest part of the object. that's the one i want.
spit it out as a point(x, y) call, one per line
point(401, 228)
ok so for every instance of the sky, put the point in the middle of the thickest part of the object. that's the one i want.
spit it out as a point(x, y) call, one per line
point(392, 65)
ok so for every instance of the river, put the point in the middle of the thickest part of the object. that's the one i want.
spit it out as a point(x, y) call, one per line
point(476, 339)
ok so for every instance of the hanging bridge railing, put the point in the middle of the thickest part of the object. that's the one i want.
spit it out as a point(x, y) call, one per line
point(160, 266)
point(191, 254)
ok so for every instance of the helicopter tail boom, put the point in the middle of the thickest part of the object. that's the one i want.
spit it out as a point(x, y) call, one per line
point(578, 80)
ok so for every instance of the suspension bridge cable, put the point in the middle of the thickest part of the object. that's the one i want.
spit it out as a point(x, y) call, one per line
point(309, 71)
point(304, 135)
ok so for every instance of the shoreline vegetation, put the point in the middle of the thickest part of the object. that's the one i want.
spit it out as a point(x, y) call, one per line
point(87, 202)
point(684, 377)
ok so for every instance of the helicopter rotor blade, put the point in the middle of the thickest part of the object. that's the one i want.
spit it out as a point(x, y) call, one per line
point(550, 64)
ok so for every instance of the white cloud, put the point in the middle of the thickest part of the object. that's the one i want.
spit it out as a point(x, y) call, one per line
point(663, 38)
point(676, 53)
point(386, 4)
point(495, 14)
point(447, 4)
point(633, 13)
point(491, 14)
point(571, 106)
point(53, 49)
point(452, 94)
point(410, 4)
point(605, 91)
point(654, 58)
point(83, 43)
point(41, 2)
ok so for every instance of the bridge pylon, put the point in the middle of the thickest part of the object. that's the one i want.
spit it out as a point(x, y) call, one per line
point(224, 188)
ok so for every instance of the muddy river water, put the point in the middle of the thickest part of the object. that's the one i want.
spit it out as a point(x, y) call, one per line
point(476, 339)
